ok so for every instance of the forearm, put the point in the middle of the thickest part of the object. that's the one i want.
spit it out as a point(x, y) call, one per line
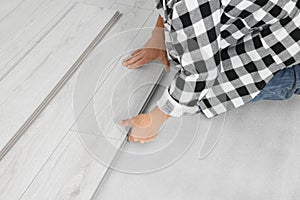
point(158, 35)
point(159, 22)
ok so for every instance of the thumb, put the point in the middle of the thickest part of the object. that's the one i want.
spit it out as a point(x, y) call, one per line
point(126, 122)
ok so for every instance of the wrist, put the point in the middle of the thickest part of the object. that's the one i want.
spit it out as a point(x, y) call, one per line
point(160, 113)
point(158, 32)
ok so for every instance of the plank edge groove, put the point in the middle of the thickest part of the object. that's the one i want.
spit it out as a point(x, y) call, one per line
point(2, 77)
point(59, 85)
point(124, 142)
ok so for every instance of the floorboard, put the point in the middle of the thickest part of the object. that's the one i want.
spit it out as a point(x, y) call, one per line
point(6, 7)
point(42, 164)
point(256, 157)
point(21, 164)
point(65, 176)
point(24, 27)
point(44, 70)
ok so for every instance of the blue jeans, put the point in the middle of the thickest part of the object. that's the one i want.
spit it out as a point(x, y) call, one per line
point(283, 85)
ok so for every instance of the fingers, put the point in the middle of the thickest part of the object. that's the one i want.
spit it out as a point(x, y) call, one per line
point(133, 56)
point(132, 138)
point(126, 122)
point(141, 120)
point(133, 60)
point(141, 129)
point(136, 52)
point(137, 64)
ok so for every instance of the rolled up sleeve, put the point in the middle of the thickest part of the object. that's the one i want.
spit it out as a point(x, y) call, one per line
point(195, 37)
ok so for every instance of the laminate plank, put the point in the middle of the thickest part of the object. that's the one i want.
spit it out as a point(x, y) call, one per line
point(41, 73)
point(6, 7)
point(257, 157)
point(121, 94)
point(25, 26)
point(27, 14)
point(21, 164)
point(145, 4)
point(61, 167)
point(64, 176)
point(50, 130)
point(64, 181)
point(24, 162)
point(100, 3)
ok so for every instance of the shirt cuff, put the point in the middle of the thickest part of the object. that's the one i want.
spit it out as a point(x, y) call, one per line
point(171, 107)
point(168, 105)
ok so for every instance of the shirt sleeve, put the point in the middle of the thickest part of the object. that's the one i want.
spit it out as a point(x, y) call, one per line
point(159, 4)
point(195, 35)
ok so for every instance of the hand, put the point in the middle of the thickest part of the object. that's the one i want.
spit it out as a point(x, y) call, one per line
point(154, 49)
point(144, 127)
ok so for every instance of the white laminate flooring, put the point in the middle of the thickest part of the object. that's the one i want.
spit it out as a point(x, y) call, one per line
point(99, 3)
point(248, 153)
point(53, 160)
point(149, 5)
point(24, 23)
point(41, 73)
point(6, 7)
point(60, 175)
point(24, 26)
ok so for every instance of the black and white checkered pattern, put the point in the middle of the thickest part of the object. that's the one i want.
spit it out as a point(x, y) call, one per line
point(227, 51)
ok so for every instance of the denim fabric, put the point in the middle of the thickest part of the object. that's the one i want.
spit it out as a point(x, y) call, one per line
point(282, 86)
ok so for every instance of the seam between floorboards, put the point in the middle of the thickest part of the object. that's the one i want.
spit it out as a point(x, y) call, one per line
point(98, 39)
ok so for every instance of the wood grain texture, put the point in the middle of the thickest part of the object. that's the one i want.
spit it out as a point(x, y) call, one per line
point(99, 3)
point(6, 7)
point(59, 179)
point(66, 176)
point(149, 5)
point(121, 96)
point(26, 25)
point(47, 150)
point(96, 146)
point(119, 92)
point(21, 164)
point(42, 72)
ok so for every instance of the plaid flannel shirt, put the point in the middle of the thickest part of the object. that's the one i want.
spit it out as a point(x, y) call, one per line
point(226, 51)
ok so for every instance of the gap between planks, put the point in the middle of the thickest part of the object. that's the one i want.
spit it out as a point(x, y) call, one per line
point(59, 85)
point(124, 142)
